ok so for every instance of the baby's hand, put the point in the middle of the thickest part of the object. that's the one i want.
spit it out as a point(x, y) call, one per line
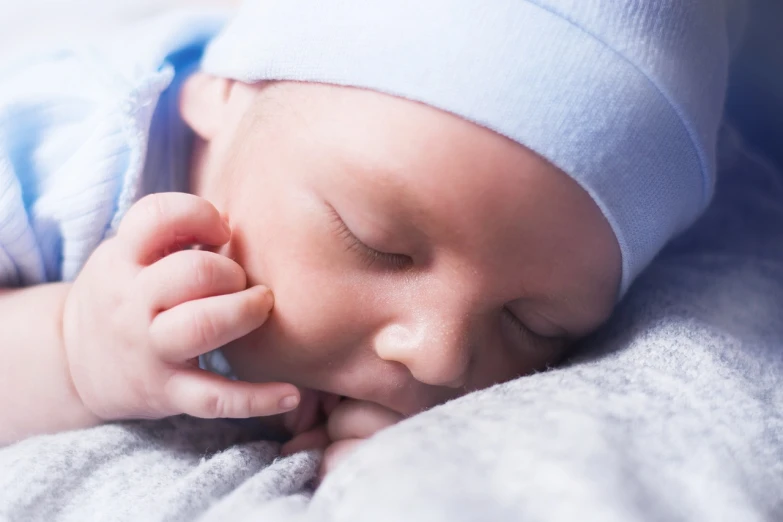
point(138, 316)
point(348, 425)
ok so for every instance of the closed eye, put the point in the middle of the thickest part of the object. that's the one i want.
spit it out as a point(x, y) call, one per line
point(515, 322)
point(369, 255)
point(527, 331)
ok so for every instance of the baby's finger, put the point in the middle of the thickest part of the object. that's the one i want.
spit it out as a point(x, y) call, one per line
point(203, 394)
point(315, 438)
point(189, 275)
point(196, 327)
point(353, 419)
point(335, 454)
point(158, 222)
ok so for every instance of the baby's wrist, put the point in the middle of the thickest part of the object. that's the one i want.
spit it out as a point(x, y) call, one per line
point(83, 416)
point(71, 408)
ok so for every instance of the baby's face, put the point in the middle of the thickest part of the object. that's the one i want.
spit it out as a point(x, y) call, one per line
point(414, 257)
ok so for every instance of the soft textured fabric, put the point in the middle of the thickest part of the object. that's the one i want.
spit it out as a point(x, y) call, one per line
point(625, 96)
point(86, 132)
point(673, 412)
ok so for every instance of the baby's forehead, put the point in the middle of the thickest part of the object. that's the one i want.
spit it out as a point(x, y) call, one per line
point(396, 153)
point(360, 125)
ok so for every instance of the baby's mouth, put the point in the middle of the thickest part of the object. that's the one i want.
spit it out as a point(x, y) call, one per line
point(314, 408)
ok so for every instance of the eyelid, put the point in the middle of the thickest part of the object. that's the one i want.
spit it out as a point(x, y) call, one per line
point(371, 255)
point(524, 328)
point(516, 321)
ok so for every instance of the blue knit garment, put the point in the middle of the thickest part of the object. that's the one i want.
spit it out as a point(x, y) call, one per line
point(86, 132)
point(624, 96)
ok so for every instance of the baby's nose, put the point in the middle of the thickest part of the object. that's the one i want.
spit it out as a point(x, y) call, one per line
point(436, 352)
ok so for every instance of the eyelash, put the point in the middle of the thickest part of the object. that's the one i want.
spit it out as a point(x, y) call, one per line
point(370, 255)
point(515, 322)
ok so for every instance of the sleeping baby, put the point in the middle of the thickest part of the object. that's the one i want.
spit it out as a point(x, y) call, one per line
point(349, 212)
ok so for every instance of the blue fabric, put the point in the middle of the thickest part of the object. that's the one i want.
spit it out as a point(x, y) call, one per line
point(626, 97)
point(85, 133)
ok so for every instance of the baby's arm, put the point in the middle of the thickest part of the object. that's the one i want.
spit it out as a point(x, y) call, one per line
point(38, 395)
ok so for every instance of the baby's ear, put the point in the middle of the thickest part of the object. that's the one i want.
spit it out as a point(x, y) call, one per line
point(203, 103)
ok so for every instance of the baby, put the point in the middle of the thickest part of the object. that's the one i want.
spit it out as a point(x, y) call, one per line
point(440, 195)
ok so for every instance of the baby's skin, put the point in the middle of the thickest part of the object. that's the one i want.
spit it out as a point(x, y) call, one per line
point(414, 256)
point(367, 256)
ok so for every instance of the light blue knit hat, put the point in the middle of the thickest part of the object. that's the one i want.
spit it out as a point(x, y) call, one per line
point(623, 95)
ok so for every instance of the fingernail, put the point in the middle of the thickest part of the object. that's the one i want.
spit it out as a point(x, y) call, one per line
point(226, 224)
point(289, 403)
point(269, 298)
